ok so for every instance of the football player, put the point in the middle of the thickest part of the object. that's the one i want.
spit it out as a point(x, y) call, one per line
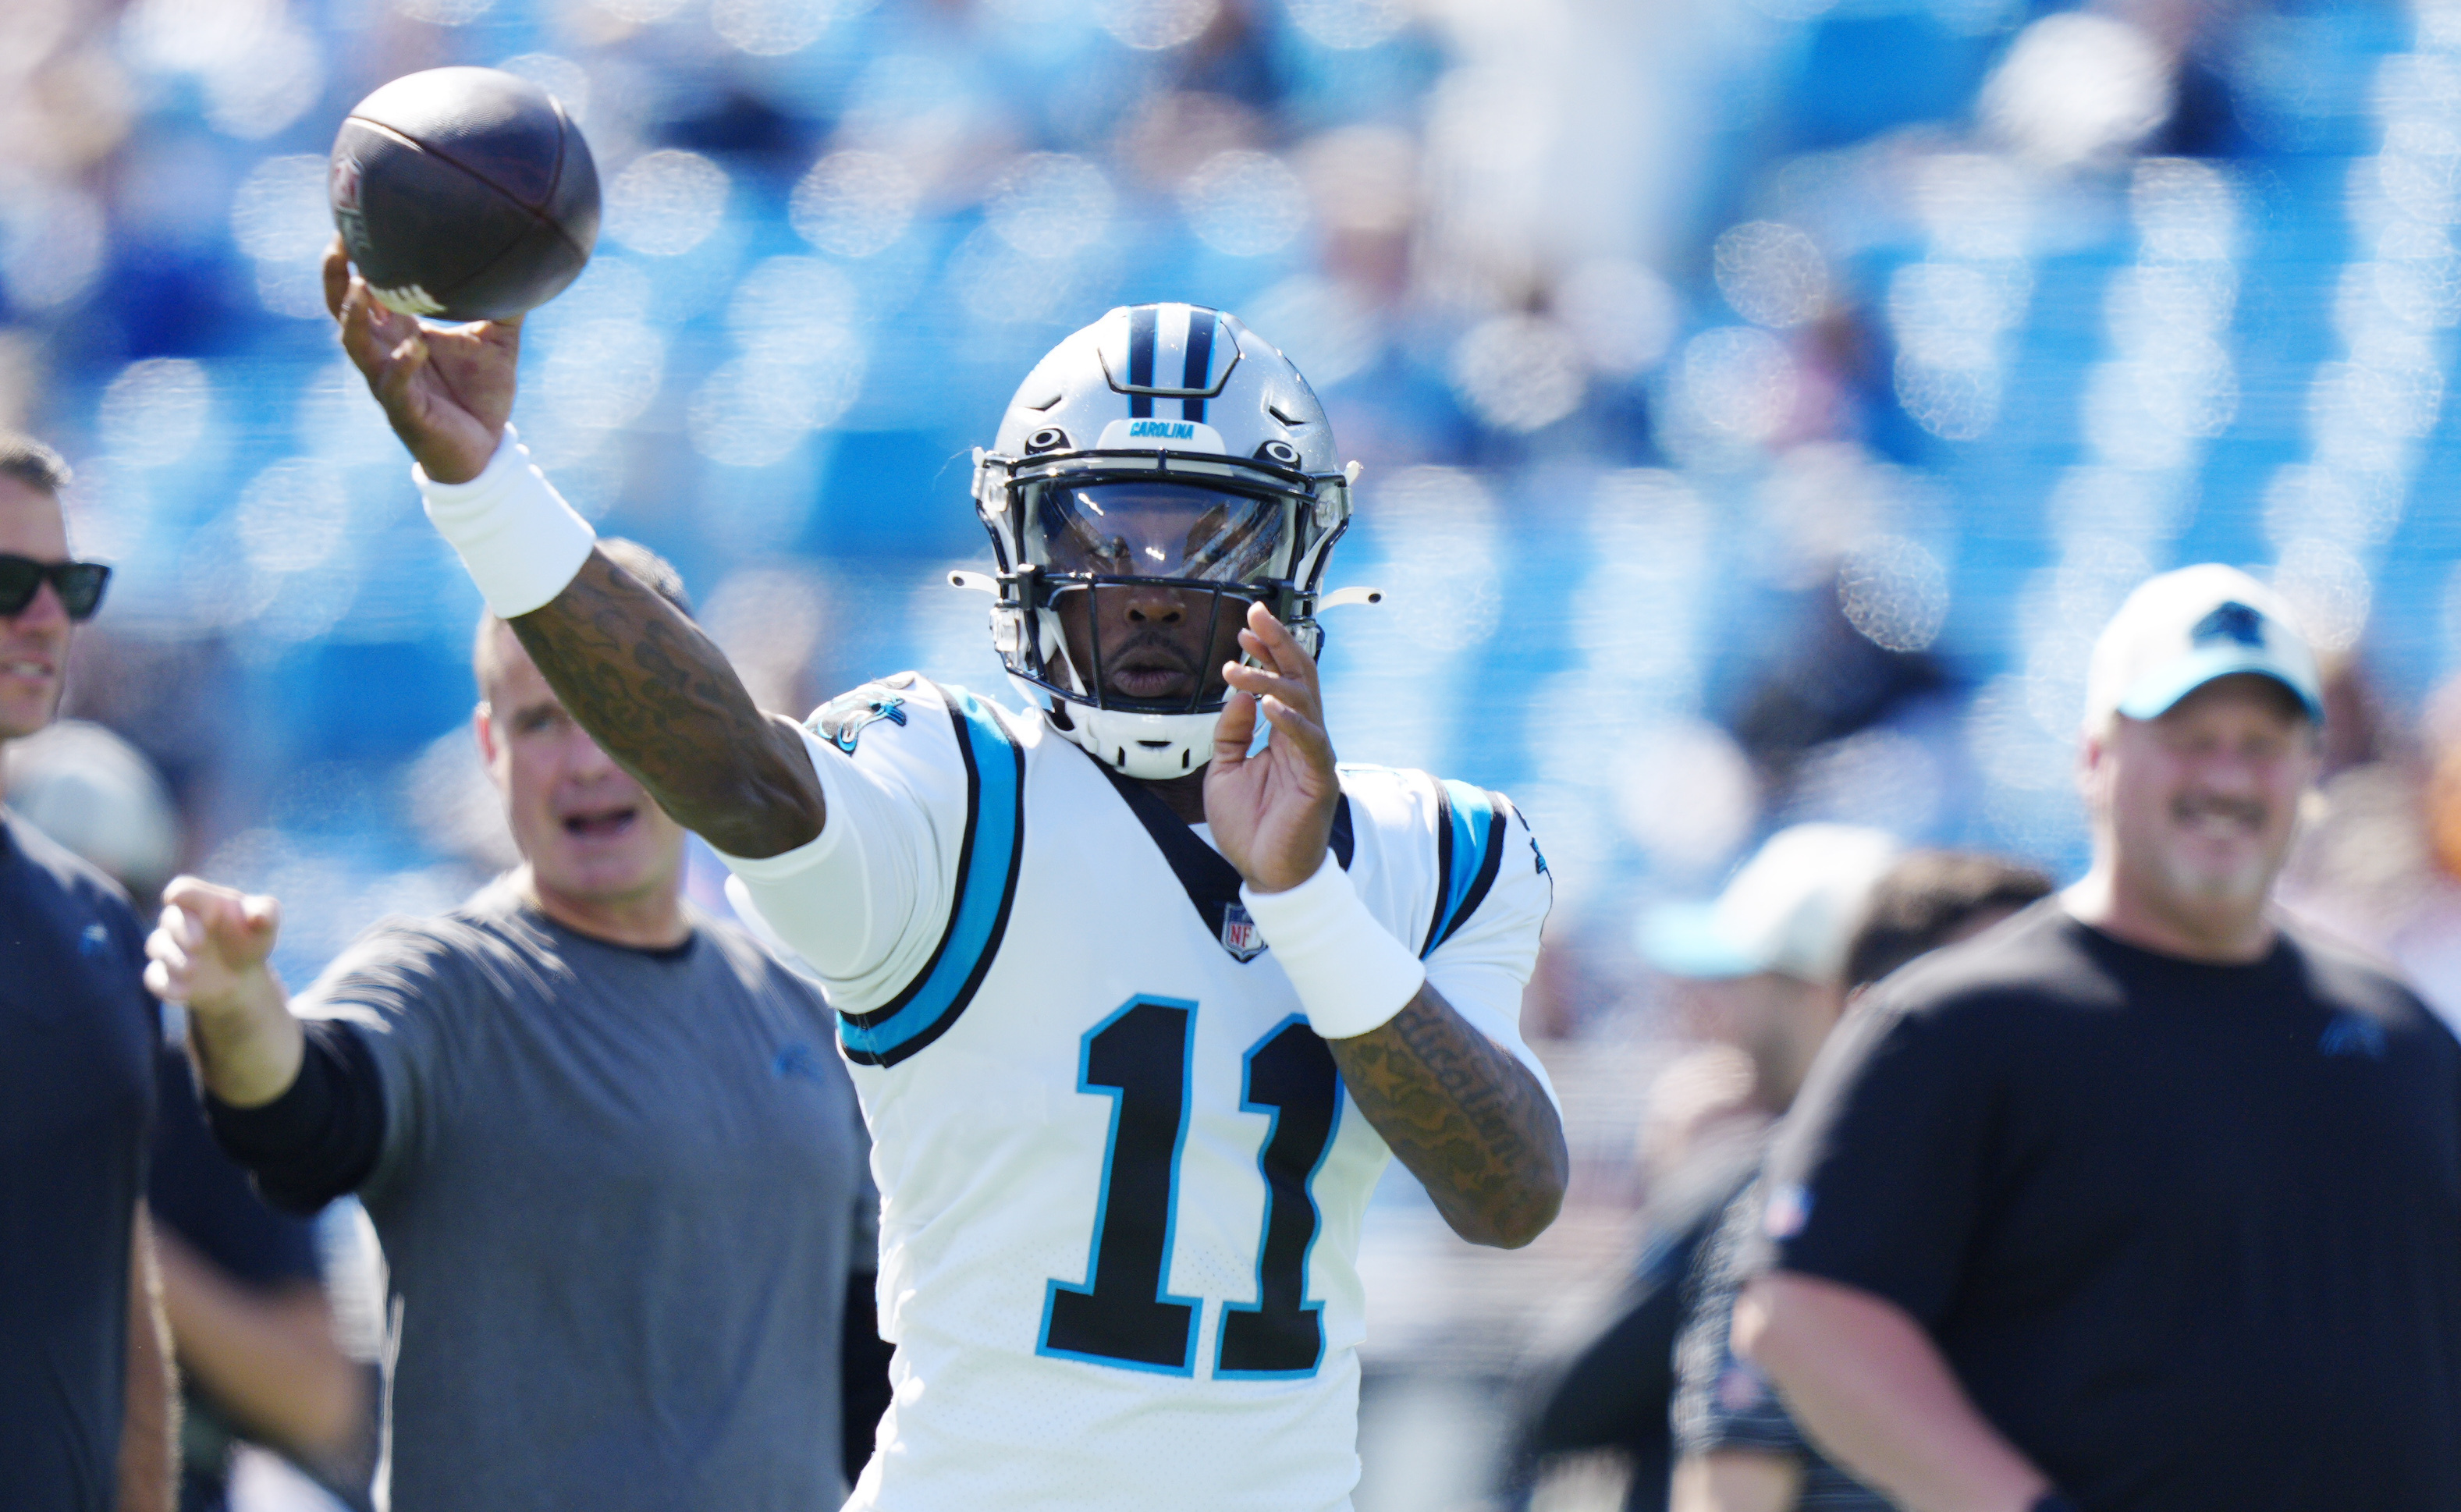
point(1139, 1004)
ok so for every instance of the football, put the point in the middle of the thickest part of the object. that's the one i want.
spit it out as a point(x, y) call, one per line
point(463, 194)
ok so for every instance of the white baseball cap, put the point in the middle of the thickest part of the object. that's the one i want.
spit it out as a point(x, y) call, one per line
point(2179, 630)
point(1792, 909)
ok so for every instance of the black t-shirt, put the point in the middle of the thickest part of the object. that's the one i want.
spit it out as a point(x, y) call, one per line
point(2188, 1234)
point(204, 1196)
point(78, 1037)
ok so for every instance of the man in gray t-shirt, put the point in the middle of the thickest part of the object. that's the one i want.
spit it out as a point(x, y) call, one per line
point(607, 1141)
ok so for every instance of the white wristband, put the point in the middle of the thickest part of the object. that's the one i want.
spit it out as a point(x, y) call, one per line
point(1350, 975)
point(520, 542)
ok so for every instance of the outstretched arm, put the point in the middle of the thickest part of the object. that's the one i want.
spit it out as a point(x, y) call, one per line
point(655, 692)
point(659, 697)
point(1469, 1121)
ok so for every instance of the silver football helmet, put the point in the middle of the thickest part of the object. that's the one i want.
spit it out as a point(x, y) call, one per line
point(1163, 448)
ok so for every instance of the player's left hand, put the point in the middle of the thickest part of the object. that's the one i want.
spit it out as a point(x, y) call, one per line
point(1272, 813)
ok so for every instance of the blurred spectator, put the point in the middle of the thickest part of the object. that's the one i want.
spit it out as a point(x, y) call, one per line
point(86, 1418)
point(249, 1317)
point(1738, 1449)
point(2378, 862)
point(241, 1284)
point(1764, 965)
point(2141, 1201)
point(615, 1165)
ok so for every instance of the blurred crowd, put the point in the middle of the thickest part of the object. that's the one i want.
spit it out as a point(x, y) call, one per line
point(1761, 406)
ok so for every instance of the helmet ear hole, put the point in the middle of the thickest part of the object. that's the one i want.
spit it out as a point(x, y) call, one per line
point(1049, 438)
point(1280, 453)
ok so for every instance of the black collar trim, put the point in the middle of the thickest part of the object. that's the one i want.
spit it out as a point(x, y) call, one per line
point(1211, 883)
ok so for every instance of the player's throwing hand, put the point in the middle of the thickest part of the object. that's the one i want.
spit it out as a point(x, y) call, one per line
point(447, 391)
point(1272, 813)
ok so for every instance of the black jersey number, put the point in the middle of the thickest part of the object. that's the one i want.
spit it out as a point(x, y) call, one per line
point(1140, 1059)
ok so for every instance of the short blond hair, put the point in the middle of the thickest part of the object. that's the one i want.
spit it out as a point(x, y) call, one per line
point(31, 463)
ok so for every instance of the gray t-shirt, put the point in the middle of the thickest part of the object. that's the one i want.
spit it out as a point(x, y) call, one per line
point(620, 1194)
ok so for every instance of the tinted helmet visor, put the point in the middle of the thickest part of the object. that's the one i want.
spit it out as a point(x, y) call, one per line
point(1153, 528)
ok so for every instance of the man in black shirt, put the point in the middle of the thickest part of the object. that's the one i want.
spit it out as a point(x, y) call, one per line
point(2140, 1202)
point(84, 1357)
point(1741, 1451)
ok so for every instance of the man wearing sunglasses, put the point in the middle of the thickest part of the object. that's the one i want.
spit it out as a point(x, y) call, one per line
point(85, 1384)
point(1139, 1005)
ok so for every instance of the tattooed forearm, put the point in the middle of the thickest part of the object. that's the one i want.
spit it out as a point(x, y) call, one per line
point(1470, 1122)
point(658, 696)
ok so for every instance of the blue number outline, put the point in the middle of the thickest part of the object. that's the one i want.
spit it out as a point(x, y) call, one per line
point(1264, 1227)
point(1103, 1197)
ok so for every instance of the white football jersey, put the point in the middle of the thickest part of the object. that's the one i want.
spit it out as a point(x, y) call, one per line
point(1120, 1182)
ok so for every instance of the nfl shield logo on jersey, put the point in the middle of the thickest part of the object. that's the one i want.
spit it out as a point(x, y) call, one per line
point(1239, 934)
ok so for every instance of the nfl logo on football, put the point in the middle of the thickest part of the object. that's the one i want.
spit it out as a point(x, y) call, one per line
point(1239, 934)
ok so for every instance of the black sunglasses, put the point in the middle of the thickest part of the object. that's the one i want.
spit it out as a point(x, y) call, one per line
point(79, 584)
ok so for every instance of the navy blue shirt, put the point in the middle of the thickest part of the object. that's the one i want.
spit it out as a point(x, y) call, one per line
point(77, 1106)
point(2188, 1234)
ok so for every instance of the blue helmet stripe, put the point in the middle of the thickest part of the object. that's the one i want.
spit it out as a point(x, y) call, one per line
point(1140, 360)
point(1199, 371)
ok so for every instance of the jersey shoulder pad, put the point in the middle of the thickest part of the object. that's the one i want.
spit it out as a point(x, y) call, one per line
point(1468, 828)
point(962, 752)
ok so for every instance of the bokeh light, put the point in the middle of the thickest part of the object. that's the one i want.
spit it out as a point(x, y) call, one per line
point(51, 242)
point(1620, 314)
point(1520, 372)
point(1893, 592)
point(2076, 86)
point(1050, 204)
point(1772, 274)
point(444, 13)
point(281, 216)
point(1739, 381)
point(560, 76)
point(666, 203)
point(2329, 591)
point(1348, 24)
point(1153, 25)
point(771, 27)
point(1245, 203)
point(853, 204)
point(154, 412)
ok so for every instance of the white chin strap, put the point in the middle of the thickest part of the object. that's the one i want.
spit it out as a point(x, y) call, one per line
point(1151, 748)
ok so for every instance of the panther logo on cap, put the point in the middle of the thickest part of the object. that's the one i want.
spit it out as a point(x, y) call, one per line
point(2231, 621)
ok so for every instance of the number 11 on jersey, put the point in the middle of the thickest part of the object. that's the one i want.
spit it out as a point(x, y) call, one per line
point(1140, 1058)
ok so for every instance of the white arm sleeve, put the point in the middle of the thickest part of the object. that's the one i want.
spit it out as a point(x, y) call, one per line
point(862, 903)
point(1482, 969)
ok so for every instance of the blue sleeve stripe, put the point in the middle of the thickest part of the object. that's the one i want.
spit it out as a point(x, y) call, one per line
point(1469, 851)
point(986, 888)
